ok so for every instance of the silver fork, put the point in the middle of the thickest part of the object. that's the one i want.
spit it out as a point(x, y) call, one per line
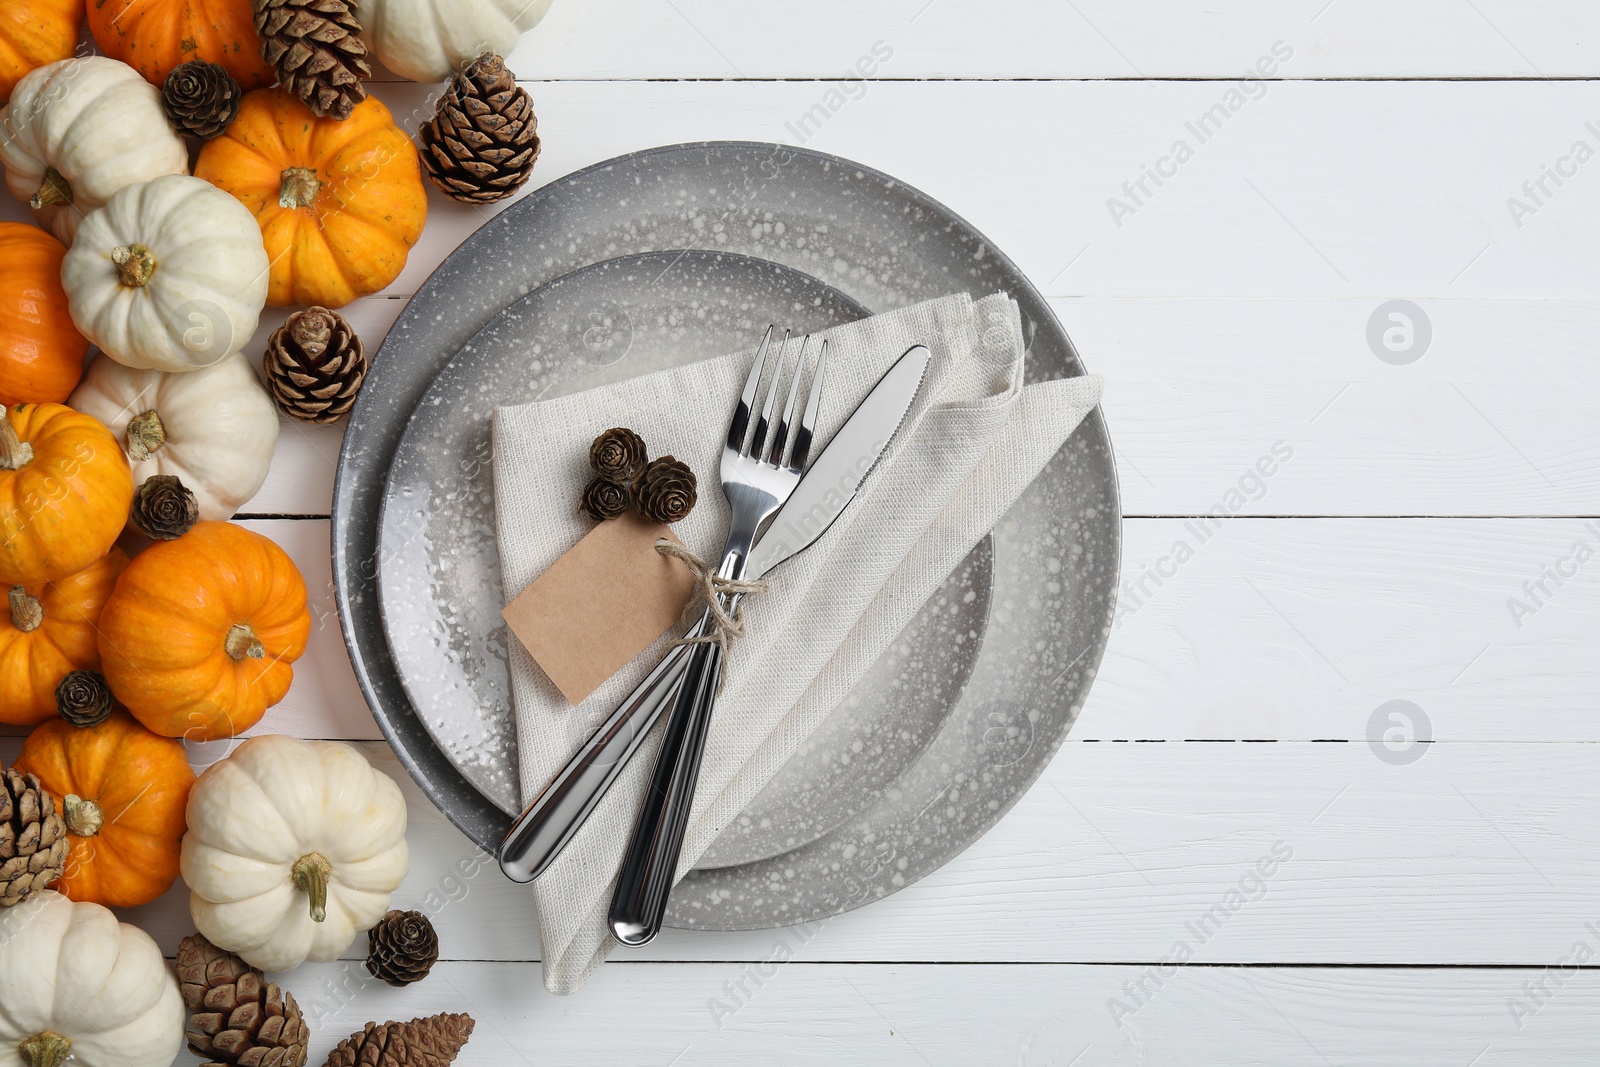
point(759, 472)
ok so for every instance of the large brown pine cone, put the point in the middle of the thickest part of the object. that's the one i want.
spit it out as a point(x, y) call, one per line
point(665, 490)
point(315, 365)
point(33, 839)
point(235, 1014)
point(430, 1042)
point(618, 454)
point(481, 144)
point(402, 948)
point(317, 49)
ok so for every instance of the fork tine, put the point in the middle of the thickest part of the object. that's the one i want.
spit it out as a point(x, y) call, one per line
point(759, 440)
point(739, 428)
point(808, 421)
point(781, 438)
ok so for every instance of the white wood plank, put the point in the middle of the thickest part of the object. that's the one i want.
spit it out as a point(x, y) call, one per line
point(921, 1016)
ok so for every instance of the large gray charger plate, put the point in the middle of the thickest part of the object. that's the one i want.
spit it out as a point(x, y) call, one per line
point(1056, 554)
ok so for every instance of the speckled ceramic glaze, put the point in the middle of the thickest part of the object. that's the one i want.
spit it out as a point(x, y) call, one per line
point(1055, 555)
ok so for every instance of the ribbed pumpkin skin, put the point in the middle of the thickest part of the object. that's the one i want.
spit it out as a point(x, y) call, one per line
point(63, 509)
point(141, 783)
point(156, 36)
point(164, 634)
point(33, 33)
point(32, 663)
point(368, 210)
point(41, 351)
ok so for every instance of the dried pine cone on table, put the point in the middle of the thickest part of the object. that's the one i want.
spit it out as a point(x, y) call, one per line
point(235, 1014)
point(665, 490)
point(84, 699)
point(604, 499)
point(33, 839)
point(618, 455)
point(164, 509)
point(482, 142)
point(317, 49)
point(201, 99)
point(402, 948)
point(430, 1042)
point(315, 365)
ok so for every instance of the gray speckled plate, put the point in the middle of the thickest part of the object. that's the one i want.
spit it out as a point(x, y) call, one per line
point(1056, 553)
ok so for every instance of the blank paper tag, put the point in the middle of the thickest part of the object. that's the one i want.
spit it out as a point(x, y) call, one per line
point(600, 605)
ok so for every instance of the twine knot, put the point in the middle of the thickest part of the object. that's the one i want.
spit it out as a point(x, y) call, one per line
point(726, 622)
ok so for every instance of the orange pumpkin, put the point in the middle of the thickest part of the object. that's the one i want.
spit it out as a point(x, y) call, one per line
point(340, 203)
point(33, 33)
point(199, 638)
point(41, 351)
point(49, 633)
point(122, 791)
point(65, 490)
point(156, 36)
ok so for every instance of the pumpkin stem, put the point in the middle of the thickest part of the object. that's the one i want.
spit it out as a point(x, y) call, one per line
point(146, 434)
point(83, 817)
point(55, 190)
point(299, 189)
point(27, 614)
point(310, 873)
point(45, 1049)
point(15, 453)
point(136, 264)
point(242, 641)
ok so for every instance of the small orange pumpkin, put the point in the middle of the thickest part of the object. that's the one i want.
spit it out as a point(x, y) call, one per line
point(65, 490)
point(199, 638)
point(41, 351)
point(156, 36)
point(340, 203)
point(49, 633)
point(122, 791)
point(33, 33)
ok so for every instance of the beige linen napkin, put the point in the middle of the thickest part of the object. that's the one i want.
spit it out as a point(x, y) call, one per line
point(973, 440)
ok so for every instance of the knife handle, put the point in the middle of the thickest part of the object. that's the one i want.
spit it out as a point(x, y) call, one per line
point(648, 867)
point(546, 825)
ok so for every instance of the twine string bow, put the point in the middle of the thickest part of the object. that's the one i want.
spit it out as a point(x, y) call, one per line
point(718, 596)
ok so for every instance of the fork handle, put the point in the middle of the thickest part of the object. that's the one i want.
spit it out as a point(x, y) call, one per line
point(645, 883)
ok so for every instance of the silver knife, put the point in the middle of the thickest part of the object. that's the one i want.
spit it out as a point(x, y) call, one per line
point(545, 827)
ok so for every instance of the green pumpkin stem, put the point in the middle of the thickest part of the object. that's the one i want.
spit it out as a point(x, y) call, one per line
point(27, 614)
point(310, 873)
point(45, 1049)
point(83, 817)
point(299, 189)
point(146, 435)
point(15, 453)
point(55, 190)
point(242, 642)
point(136, 265)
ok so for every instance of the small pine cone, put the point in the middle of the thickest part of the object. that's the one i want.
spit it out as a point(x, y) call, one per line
point(317, 49)
point(618, 455)
point(201, 99)
point(315, 365)
point(430, 1042)
point(402, 948)
point(482, 142)
point(84, 699)
point(164, 508)
point(665, 490)
point(604, 499)
point(33, 839)
point(235, 1014)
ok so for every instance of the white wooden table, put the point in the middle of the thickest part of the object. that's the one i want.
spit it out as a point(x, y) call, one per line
point(1238, 793)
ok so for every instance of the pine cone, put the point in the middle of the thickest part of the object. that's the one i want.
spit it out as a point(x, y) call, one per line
point(33, 839)
point(402, 948)
point(430, 1042)
point(315, 365)
point(84, 699)
point(665, 490)
point(618, 455)
point(604, 499)
point(201, 99)
point(235, 1014)
point(317, 49)
point(164, 508)
point(482, 141)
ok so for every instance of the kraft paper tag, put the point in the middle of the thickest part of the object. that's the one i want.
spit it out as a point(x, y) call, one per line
point(600, 605)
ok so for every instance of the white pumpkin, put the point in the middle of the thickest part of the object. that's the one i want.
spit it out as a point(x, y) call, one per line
point(170, 275)
point(429, 40)
point(214, 428)
point(292, 850)
point(78, 130)
point(73, 980)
